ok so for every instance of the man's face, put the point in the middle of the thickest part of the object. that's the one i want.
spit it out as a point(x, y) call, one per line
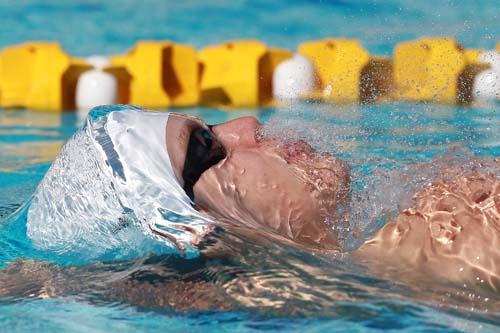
point(283, 187)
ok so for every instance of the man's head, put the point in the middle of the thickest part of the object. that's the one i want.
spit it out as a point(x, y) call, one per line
point(232, 175)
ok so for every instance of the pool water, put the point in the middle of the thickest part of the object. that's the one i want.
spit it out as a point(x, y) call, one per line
point(301, 292)
point(372, 138)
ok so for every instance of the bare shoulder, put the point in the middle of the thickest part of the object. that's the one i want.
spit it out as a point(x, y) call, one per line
point(452, 231)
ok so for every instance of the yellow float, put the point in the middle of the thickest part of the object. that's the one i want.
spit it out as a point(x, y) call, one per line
point(157, 74)
point(428, 69)
point(239, 73)
point(339, 63)
point(38, 76)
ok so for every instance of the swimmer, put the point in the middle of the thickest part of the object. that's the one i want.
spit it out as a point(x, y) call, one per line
point(452, 232)
point(179, 178)
point(233, 175)
point(250, 184)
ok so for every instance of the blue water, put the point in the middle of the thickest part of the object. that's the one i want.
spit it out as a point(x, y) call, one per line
point(369, 137)
point(103, 27)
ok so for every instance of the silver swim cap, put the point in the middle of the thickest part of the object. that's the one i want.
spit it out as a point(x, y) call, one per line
point(113, 186)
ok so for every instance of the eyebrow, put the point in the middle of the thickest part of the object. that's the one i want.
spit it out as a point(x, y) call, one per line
point(184, 134)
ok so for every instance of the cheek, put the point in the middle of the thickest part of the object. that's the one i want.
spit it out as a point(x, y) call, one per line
point(223, 189)
point(234, 182)
point(210, 190)
point(253, 187)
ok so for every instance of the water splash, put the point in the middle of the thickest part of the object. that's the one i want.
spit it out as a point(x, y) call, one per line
point(105, 194)
point(386, 190)
point(383, 179)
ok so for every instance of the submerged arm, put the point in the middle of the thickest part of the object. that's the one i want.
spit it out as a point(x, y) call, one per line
point(34, 279)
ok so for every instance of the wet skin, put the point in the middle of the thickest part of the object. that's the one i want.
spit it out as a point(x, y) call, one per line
point(452, 233)
point(261, 184)
point(286, 192)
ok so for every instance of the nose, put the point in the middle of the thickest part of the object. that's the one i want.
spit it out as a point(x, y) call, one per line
point(237, 133)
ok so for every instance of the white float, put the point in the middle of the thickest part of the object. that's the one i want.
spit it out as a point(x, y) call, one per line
point(487, 83)
point(294, 78)
point(96, 87)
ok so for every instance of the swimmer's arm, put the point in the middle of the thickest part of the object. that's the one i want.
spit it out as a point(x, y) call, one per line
point(34, 279)
point(29, 279)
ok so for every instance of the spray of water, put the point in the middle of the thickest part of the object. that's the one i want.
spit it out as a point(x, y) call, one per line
point(381, 186)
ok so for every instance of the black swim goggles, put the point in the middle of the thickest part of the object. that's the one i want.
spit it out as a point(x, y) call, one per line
point(203, 152)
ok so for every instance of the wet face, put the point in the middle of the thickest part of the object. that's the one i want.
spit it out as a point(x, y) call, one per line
point(453, 231)
point(263, 184)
